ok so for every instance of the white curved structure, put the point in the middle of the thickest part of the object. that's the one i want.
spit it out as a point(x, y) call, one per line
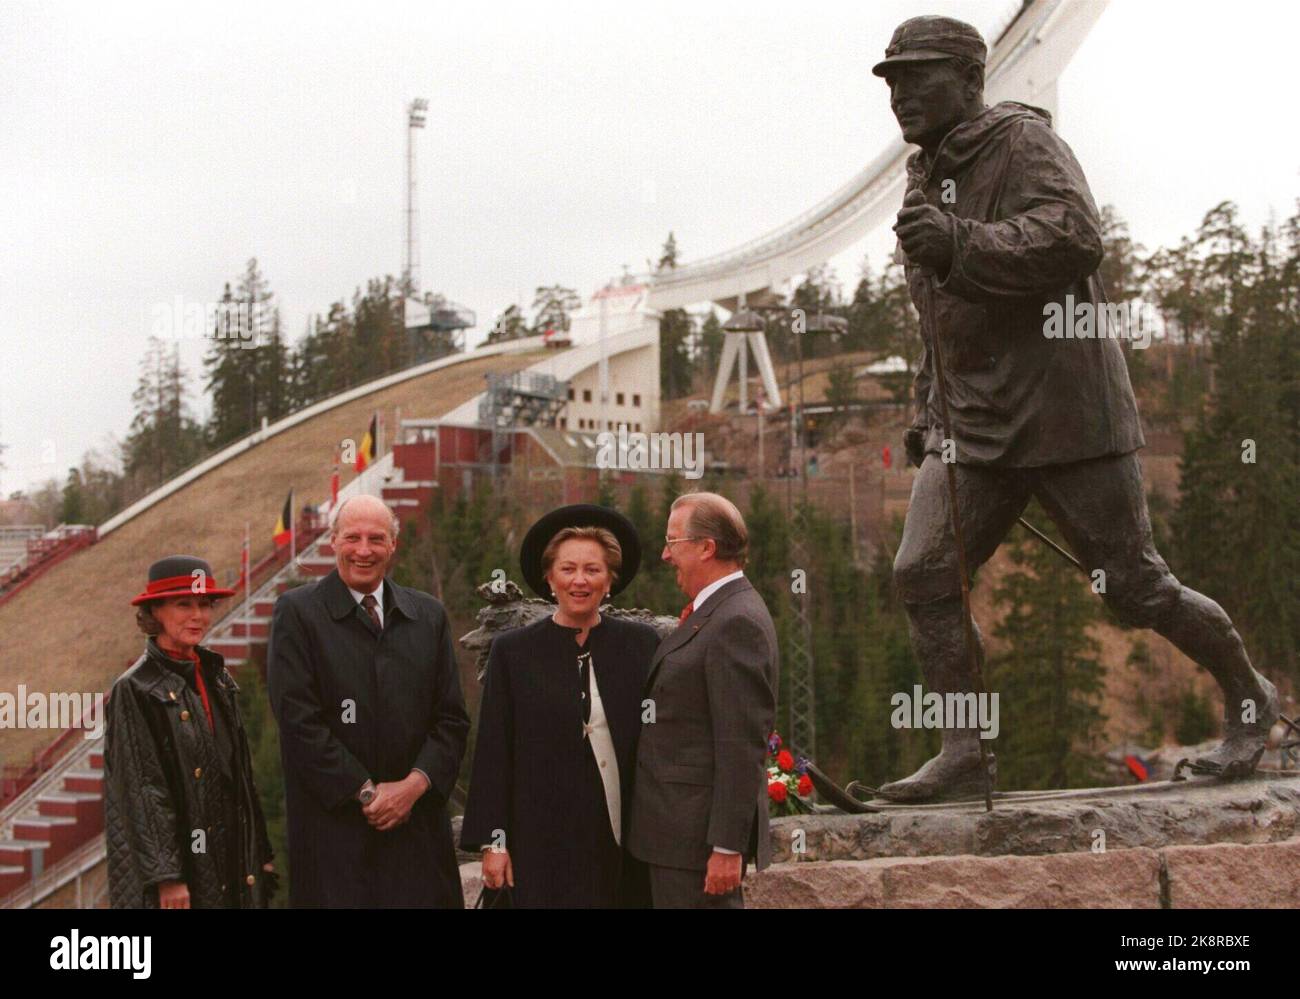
point(1024, 63)
point(619, 324)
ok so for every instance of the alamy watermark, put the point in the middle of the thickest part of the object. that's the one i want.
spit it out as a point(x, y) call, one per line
point(637, 451)
point(245, 322)
point(35, 709)
point(102, 953)
point(954, 710)
point(1135, 321)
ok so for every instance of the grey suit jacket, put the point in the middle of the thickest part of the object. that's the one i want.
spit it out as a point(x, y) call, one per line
point(700, 778)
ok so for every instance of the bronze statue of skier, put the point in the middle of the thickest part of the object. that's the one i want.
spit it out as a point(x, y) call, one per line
point(1008, 227)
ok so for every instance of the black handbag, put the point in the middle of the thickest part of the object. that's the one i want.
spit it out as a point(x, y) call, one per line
point(495, 898)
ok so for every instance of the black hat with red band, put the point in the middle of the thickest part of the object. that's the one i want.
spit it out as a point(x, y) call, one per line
point(180, 576)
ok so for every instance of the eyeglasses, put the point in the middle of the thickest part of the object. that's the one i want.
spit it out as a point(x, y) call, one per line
point(674, 541)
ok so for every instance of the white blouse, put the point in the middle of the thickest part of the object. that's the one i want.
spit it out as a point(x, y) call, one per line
point(602, 745)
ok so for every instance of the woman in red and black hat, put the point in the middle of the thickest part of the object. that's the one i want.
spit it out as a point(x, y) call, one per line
point(183, 823)
point(558, 724)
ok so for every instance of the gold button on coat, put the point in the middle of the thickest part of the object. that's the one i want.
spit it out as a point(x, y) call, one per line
point(185, 716)
point(250, 880)
point(198, 772)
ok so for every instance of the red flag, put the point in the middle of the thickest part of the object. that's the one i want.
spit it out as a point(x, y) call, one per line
point(886, 457)
point(1137, 767)
point(243, 565)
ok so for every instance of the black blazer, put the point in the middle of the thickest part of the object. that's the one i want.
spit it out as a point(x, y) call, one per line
point(353, 703)
point(529, 747)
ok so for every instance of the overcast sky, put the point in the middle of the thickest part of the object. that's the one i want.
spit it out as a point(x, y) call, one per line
point(150, 150)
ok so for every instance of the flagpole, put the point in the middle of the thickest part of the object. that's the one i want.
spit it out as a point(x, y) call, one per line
point(293, 531)
point(248, 569)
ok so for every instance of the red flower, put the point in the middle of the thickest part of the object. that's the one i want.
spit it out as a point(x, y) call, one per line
point(805, 786)
point(784, 760)
point(776, 791)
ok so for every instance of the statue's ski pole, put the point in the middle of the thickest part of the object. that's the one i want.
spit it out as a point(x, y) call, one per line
point(913, 199)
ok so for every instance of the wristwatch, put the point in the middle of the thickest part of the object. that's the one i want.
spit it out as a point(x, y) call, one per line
point(367, 793)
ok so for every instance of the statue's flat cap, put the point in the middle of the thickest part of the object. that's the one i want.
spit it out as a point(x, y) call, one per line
point(929, 38)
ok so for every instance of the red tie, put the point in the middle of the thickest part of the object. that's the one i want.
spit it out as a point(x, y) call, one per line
point(686, 612)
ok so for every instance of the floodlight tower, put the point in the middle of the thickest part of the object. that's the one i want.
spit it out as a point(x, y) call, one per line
point(411, 265)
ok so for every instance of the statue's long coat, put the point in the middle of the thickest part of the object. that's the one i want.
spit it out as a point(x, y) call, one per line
point(1026, 235)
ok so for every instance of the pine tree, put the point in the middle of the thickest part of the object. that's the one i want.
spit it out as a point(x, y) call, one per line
point(1121, 277)
point(676, 328)
point(379, 342)
point(73, 510)
point(552, 305)
point(274, 371)
point(236, 376)
point(841, 393)
point(1049, 680)
point(668, 256)
point(1236, 536)
point(711, 338)
point(163, 439)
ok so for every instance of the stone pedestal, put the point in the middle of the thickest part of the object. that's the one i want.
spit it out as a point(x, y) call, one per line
point(1194, 844)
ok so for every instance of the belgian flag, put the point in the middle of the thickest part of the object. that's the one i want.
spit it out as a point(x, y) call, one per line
point(366, 453)
point(284, 526)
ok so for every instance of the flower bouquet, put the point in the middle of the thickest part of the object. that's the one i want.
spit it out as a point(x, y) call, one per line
point(789, 788)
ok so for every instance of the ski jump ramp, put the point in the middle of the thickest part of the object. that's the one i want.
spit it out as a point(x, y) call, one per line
point(1028, 54)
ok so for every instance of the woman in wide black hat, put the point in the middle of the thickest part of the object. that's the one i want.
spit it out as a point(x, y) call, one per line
point(183, 824)
point(558, 725)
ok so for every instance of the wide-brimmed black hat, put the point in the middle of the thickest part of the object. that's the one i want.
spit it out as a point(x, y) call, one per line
point(578, 515)
point(180, 576)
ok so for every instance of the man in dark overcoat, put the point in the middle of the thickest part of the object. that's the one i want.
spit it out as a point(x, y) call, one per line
point(365, 687)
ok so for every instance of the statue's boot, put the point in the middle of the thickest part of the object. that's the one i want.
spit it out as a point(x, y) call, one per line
point(956, 774)
point(939, 642)
point(1244, 742)
point(1201, 629)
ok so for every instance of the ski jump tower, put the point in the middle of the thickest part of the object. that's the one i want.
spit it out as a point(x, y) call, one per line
point(745, 332)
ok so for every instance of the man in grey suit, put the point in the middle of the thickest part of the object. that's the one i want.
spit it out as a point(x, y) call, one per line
point(699, 805)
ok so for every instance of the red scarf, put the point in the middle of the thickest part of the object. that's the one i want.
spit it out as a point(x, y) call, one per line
point(198, 682)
